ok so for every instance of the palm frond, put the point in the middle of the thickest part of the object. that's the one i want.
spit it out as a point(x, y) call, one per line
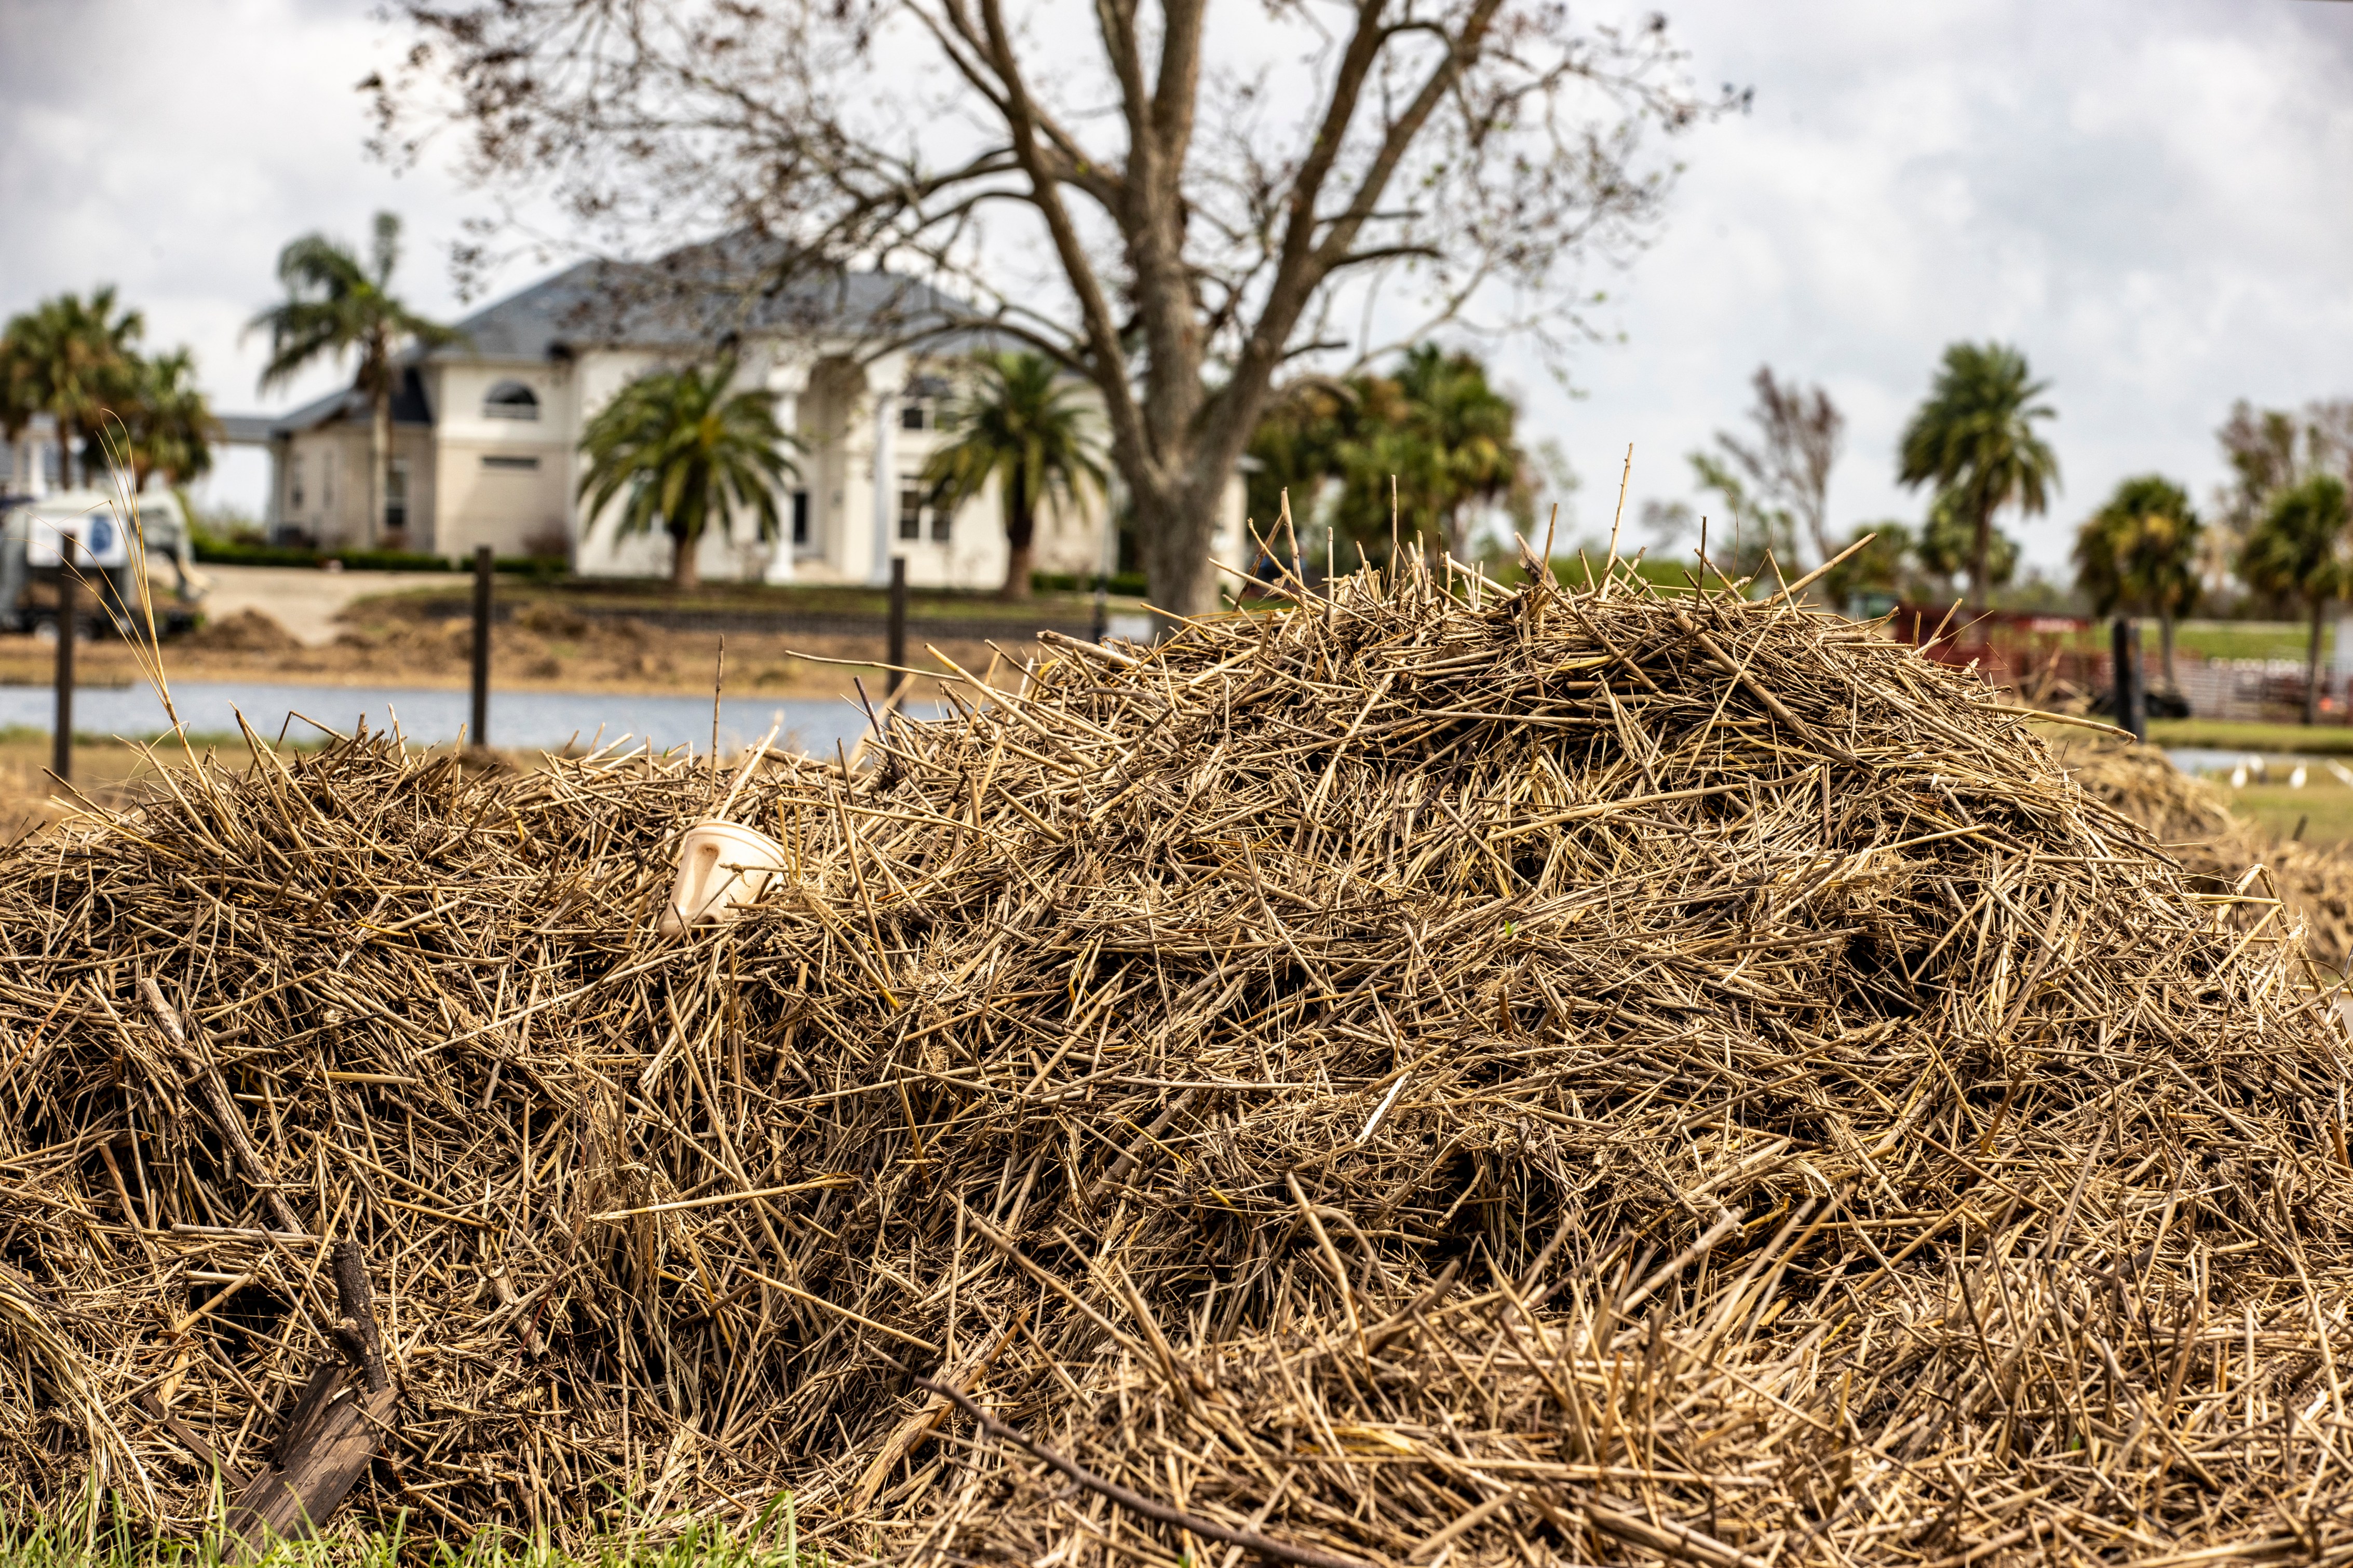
point(686, 452)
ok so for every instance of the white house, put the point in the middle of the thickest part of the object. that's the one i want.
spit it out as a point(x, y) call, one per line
point(486, 433)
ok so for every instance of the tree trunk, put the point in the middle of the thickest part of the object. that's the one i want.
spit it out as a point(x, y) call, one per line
point(685, 570)
point(1020, 538)
point(68, 469)
point(2165, 644)
point(1174, 527)
point(1982, 546)
point(1818, 526)
point(2312, 669)
point(379, 464)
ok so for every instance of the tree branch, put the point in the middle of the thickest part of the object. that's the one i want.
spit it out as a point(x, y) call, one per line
point(1109, 360)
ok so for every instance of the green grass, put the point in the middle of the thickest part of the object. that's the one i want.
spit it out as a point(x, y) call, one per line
point(768, 1540)
point(2323, 806)
point(2241, 640)
point(211, 551)
point(2235, 735)
point(1672, 575)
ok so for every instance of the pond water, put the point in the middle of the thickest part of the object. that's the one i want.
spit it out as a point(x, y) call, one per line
point(530, 721)
point(551, 720)
point(2260, 767)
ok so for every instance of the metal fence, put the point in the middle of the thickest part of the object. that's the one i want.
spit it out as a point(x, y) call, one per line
point(2060, 661)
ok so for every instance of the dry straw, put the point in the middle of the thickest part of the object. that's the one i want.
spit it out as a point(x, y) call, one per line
point(2193, 821)
point(1444, 1075)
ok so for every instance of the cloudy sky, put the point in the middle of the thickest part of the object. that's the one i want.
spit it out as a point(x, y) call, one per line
point(2149, 197)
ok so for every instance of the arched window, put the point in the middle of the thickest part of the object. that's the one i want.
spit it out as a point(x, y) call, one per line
point(510, 400)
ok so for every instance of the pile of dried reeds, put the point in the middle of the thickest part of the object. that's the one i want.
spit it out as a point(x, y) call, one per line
point(2309, 885)
point(1441, 1075)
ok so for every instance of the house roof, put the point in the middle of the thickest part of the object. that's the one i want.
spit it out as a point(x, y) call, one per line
point(245, 429)
point(409, 407)
point(702, 295)
point(694, 297)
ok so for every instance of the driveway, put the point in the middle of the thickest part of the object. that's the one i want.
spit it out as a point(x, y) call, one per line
point(305, 600)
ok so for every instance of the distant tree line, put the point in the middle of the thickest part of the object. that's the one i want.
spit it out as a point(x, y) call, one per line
point(1422, 452)
point(2278, 531)
point(79, 361)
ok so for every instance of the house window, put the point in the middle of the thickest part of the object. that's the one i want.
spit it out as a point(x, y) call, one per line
point(800, 520)
point(913, 416)
point(942, 520)
point(396, 495)
point(510, 400)
point(294, 495)
point(506, 463)
point(911, 513)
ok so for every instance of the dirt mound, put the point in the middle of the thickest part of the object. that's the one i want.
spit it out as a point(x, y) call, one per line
point(248, 631)
point(1439, 1076)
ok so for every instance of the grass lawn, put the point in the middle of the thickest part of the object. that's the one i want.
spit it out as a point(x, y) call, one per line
point(2231, 735)
point(2241, 640)
point(2323, 808)
point(102, 767)
point(768, 1541)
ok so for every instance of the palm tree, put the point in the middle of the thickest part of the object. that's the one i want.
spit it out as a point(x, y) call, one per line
point(335, 305)
point(71, 359)
point(1023, 426)
point(1450, 442)
point(1974, 439)
point(685, 449)
point(2298, 549)
point(1947, 536)
point(1298, 443)
point(2140, 550)
point(168, 426)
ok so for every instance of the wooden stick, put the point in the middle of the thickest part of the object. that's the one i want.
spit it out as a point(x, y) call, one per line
point(1136, 1502)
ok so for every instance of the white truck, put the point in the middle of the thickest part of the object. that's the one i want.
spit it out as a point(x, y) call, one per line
point(36, 535)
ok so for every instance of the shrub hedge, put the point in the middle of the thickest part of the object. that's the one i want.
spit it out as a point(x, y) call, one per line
point(223, 553)
point(1128, 583)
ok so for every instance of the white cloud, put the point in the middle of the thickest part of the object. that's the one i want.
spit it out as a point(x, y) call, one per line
point(170, 148)
point(2148, 198)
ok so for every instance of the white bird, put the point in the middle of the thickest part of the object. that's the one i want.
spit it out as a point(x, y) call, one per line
point(2238, 777)
point(2296, 779)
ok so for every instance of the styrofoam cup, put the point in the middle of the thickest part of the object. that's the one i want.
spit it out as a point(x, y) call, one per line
point(720, 868)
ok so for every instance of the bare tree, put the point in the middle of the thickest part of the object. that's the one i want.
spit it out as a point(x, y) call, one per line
point(1787, 469)
point(1183, 224)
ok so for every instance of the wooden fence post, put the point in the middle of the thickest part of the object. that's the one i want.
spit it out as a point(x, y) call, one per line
point(480, 731)
point(898, 624)
point(61, 746)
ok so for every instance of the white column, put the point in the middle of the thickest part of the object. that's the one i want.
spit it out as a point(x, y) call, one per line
point(886, 486)
point(273, 508)
point(786, 381)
